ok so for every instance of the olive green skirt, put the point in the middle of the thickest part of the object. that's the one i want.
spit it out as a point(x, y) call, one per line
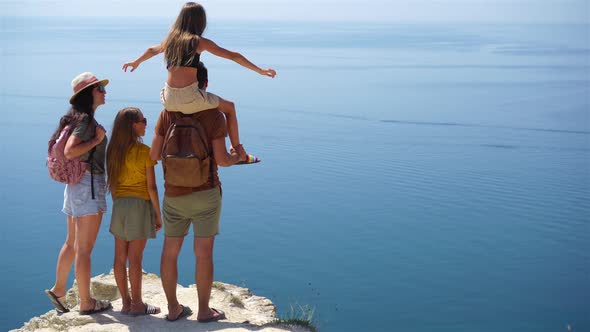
point(133, 218)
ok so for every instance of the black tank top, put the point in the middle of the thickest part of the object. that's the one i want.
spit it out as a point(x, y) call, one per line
point(186, 57)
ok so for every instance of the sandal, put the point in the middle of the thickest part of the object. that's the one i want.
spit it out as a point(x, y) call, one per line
point(250, 159)
point(186, 311)
point(99, 306)
point(149, 310)
point(58, 303)
point(220, 316)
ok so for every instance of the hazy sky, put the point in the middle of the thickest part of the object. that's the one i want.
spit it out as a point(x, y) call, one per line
point(530, 11)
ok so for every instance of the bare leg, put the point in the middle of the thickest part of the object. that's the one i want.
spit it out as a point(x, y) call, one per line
point(203, 248)
point(169, 273)
point(65, 259)
point(87, 228)
point(136, 248)
point(229, 110)
point(120, 270)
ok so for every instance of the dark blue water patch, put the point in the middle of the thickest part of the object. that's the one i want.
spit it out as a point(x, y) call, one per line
point(342, 116)
point(449, 124)
point(427, 123)
point(461, 37)
point(541, 50)
point(362, 35)
point(581, 86)
point(64, 97)
point(76, 28)
point(499, 146)
point(354, 66)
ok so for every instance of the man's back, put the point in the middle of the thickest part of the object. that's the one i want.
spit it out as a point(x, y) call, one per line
point(213, 123)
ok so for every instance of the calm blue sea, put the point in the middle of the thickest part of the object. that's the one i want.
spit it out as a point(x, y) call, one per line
point(414, 177)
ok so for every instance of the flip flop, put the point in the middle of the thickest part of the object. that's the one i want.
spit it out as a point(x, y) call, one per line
point(186, 311)
point(220, 316)
point(99, 306)
point(250, 160)
point(149, 310)
point(59, 307)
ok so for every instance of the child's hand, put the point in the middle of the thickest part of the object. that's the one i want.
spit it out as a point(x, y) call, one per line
point(158, 223)
point(267, 72)
point(132, 64)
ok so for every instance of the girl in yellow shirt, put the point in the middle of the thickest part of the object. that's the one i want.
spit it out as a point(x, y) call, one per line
point(136, 209)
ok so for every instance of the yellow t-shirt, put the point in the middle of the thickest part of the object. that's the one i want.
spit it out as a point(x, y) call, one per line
point(133, 180)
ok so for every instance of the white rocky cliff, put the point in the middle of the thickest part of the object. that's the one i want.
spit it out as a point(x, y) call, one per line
point(244, 311)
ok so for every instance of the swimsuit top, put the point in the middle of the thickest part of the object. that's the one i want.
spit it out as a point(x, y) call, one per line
point(186, 57)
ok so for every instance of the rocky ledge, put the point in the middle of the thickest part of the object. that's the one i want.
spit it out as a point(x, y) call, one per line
point(244, 311)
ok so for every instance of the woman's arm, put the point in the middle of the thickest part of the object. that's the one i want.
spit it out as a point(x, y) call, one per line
point(208, 45)
point(75, 147)
point(148, 54)
point(220, 154)
point(153, 191)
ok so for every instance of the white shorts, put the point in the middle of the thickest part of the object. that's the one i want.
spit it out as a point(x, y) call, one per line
point(187, 100)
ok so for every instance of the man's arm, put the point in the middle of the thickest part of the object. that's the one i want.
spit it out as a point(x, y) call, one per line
point(156, 149)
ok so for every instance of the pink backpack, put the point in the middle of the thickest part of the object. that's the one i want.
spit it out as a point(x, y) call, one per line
point(60, 168)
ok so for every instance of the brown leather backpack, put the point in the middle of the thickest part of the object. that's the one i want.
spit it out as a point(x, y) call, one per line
point(185, 153)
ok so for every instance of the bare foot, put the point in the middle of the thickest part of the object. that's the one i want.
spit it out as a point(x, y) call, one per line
point(211, 315)
point(242, 155)
point(58, 293)
point(179, 312)
point(126, 306)
point(94, 306)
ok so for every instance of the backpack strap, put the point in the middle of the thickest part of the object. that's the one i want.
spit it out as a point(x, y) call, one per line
point(92, 165)
point(172, 125)
point(92, 171)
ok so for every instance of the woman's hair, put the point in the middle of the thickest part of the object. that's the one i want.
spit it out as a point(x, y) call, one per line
point(122, 138)
point(184, 34)
point(81, 108)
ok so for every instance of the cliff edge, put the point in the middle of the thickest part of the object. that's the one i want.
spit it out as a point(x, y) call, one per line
point(244, 311)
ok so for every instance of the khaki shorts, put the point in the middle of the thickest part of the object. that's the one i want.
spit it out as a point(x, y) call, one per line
point(187, 100)
point(201, 208)
point(133, 218)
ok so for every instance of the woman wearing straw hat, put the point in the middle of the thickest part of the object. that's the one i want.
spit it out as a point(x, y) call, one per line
point(84, 202)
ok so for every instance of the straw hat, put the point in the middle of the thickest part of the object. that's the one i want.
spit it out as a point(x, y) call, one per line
point(83, 81)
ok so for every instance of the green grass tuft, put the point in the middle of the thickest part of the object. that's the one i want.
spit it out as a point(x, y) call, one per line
point(218, 285)
point(236, 301)
point(299, 316)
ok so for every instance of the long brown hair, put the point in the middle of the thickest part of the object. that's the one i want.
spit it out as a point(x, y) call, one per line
point(183, 36)
point(122, 138)
point(81, 108)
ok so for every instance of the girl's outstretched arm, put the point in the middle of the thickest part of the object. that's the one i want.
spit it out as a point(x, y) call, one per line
point(149, 53)
point(208, 45)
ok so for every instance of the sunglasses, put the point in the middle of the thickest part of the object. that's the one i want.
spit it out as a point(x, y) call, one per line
point(101, 88)
point(144, 121)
